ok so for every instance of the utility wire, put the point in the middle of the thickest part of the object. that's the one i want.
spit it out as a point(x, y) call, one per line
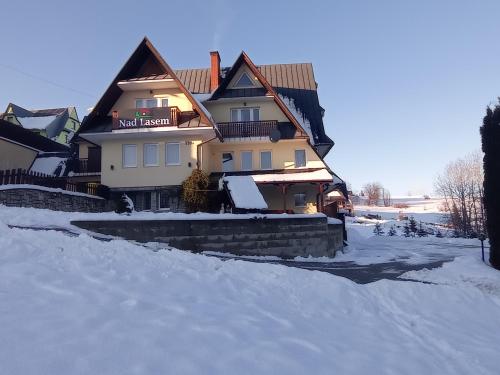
point(47, 81)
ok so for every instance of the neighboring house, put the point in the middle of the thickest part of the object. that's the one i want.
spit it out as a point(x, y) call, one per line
point(22, 149)
point(263, 124)
point(336, 202)
point(58, 124)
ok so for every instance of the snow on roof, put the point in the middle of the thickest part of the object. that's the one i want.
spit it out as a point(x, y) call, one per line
point(48, 165)
point(299, 116)
point(319, 175)
point(39, 122)
point(245, 193)
point(335, 194)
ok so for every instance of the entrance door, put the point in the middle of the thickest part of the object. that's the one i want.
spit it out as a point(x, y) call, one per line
point(94, 162)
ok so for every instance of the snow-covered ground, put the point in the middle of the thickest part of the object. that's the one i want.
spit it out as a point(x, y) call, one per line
point(426, 210)
point(77, 305)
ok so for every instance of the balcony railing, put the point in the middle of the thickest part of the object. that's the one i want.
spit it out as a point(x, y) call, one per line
point(247, 129)
point(88, 166)
point(153, 117)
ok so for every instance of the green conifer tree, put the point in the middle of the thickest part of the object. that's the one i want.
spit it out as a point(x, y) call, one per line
point(490, 136)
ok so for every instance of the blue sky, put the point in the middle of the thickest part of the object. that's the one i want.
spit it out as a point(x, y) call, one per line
point(404, 83)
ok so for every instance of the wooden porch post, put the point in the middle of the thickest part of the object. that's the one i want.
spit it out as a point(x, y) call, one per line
point(283, 188)
point(321, 203)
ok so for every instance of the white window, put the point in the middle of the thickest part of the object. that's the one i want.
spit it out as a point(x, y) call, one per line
point(163, 102)
point(173, 153)
point(246, 160)
point(300, 158)
point(146, 103)
point(129, 156)
point(244, 81)
point(300, 200)
point(266, 160)
point(245, 114)
point(227, 162)
point(151, 155)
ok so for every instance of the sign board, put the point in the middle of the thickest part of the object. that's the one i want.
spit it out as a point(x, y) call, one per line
point(142, 118)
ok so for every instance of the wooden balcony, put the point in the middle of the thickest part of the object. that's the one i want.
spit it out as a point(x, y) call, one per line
point(247, 129)
point(153, 117)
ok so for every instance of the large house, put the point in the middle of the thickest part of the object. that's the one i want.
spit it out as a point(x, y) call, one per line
point(57, 124)
point(256, 128)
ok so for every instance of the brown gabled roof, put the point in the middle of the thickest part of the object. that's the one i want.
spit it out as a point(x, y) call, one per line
point(145, 61)
point(292, 76)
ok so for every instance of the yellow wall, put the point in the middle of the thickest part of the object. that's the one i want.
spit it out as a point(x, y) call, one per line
point(175, 99)
point(221, 111)
point(283, 154)
point(274, 198)
point(13, 156)
point(141, 176)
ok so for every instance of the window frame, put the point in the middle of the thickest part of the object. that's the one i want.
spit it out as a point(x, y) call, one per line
point(271, 160)
point(145, 100)
point(251, 160)
point(238, 109)
point(124, 146)
point(295, 158)
point(166, 154)
point(252, 85)
point(295, 200)
point(157, 155)
point(160, 208)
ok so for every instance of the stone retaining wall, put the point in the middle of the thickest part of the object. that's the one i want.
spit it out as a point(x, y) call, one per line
point(283, 237)
point(53, 199)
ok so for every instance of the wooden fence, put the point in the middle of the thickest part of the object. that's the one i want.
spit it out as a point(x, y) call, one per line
point(21, 176)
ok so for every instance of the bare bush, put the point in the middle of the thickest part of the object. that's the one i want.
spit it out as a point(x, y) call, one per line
point(372, 192)
point(461, 186)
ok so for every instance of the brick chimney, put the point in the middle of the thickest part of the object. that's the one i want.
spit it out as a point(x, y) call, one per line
point(214, 70)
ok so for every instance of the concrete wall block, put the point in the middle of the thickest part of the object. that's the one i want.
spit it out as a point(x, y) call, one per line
point(282, 237)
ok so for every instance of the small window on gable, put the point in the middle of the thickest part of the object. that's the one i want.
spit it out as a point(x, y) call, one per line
point(244, 81)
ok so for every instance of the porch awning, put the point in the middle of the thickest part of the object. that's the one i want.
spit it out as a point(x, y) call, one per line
point(244, 192)
point(321, 175)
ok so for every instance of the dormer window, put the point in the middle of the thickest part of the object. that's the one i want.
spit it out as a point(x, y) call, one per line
point(244, 81)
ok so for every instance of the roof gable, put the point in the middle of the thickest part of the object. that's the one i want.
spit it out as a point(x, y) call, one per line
point(244, 59)
point(51, 120)
point(144, 61)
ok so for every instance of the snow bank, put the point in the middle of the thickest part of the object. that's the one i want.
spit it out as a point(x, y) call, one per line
point(76, 305)
point(44, 188)
point(332, 220)
point(466, 270)
point(245, 193)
